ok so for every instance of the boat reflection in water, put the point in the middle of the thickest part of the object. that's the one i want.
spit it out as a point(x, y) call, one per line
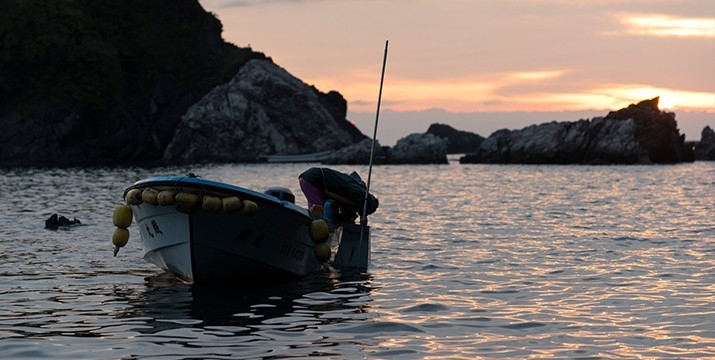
point(323, 298)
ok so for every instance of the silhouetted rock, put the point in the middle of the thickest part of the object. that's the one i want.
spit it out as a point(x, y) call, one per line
point(655, 131)
point(413, 149)
point(357, 154)
point(418, 149)
point(263, 110)
point(458, 142)
point(705, 148)
point(638, 134)
point(54, 222)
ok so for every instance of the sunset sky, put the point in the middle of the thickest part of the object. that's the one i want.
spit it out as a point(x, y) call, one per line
point(483, 65)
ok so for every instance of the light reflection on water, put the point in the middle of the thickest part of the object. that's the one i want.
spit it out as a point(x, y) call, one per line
point(468, 261)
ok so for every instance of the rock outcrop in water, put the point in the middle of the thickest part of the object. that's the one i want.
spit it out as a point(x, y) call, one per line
point(638, 134)
point(415, 149)
point(705, 148)
point(97, 82)
point(358, 154)
point(418, 149)
point(55, 222)
point(458, 142)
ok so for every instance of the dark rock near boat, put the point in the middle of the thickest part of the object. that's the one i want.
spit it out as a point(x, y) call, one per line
point(458, 142)
point(413, 149)
point(55, 222)
point(638, 134)
point(357, 154)
point(705, 148)
point(418, 149)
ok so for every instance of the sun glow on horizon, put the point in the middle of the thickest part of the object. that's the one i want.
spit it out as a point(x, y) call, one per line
point(670, 99)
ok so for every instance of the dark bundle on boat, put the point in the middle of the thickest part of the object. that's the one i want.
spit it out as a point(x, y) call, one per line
point(347, 191)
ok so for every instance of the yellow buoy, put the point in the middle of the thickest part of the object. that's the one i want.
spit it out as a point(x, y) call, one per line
point(134, 197)
point(322, 252)
point(166, 197)
point(211, 203)
point(249, 208)
point(122, 216)
point(120, 237)
point(149, 196)
point(318, 230)
point(187, 202)
point(231, 204)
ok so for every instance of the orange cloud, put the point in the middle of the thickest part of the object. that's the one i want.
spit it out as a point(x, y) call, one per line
point(461, 94)
point(536, 75)
point(666, 25)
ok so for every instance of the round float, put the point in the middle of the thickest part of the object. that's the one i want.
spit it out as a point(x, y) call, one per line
point(149, 196)
point(318, 230)
point(122, 216)
point(120, 237)
point(211, 203)
point(166, 197)
point(187, 202)
point(322, 252)
point(134, 197)
point(249, 208)
point(231, 204)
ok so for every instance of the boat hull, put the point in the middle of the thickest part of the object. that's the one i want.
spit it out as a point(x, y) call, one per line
point(202, 246)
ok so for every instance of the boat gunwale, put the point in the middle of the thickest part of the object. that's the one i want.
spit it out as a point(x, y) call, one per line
point(220, 187)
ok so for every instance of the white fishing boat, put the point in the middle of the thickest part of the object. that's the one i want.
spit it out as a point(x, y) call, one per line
point(203, 230)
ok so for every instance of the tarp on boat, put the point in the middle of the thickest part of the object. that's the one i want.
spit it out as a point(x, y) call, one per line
point(347, 190)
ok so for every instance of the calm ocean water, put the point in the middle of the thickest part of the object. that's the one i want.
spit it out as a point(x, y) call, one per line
point(468, 261)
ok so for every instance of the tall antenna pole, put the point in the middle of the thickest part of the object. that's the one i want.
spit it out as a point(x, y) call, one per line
point(363, 218)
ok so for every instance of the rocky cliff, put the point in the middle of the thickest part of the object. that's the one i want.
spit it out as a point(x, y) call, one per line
point(105, 82)
point(262, 110)
point(638, 134)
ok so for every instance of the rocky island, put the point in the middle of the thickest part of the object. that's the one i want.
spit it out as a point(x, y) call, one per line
point(705, 148)
point(638, 134)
